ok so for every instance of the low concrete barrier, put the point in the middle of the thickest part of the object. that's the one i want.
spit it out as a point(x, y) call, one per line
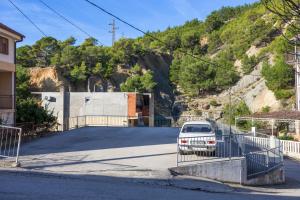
point(224, 170)
point(231, 171)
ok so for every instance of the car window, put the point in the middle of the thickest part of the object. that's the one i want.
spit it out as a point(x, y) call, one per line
point(196, 128)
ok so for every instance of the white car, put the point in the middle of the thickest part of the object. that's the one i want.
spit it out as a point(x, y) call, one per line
point(197, 136)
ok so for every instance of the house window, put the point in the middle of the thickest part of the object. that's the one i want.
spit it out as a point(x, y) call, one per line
point(3, 45)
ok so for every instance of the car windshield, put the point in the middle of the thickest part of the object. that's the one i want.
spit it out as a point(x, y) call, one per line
point(196, 128)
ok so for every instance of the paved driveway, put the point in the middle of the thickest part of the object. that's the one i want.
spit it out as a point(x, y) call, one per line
point(119, 163)
point(102, 150)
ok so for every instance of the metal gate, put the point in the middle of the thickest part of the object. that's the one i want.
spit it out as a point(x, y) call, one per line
point(10, 141)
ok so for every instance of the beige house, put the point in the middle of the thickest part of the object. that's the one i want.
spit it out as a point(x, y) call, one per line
point(8, 40)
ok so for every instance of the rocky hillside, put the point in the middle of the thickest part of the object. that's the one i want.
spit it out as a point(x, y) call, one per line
point(192, 68)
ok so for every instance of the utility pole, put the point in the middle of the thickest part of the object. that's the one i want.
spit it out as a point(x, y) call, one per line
point(230, 111)
point(113, 31)
point(297, 72)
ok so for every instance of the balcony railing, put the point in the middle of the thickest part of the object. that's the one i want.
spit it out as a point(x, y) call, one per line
point(7, 102)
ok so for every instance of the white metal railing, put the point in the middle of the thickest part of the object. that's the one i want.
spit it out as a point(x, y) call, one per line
point(262, 154)
point(97, 120)
point(10, 141)
point(290, 148)
point(199, 148)
point(261, 142)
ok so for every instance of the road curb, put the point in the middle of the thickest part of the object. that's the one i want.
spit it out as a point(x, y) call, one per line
point(181, 182)
point(201, 184)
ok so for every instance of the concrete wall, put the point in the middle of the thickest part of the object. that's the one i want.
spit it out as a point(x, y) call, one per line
point(106, 103)
point(55, 104)
point(7, 117)
point(151, 111)
point(68, 105)
point(232, 171)
point(224, 170)
point(276, 176)
point(72, 104)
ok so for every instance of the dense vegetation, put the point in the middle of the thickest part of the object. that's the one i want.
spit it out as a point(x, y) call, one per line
point(203, 54)
point(29, 108)
point(279, 76)
point(78, 63)
point(239, 109)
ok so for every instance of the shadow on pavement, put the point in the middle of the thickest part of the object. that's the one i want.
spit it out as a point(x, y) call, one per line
point(34, 185)
point(96, 138)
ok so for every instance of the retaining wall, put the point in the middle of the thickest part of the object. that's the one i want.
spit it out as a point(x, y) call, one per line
point(231, 171)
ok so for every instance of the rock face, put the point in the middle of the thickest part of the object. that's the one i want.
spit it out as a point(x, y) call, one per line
point(44, 79)
point(50, 79)
point(163, 92)
point(250, 88)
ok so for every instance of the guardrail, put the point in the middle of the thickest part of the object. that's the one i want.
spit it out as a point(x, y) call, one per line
point(97, 120)
point(261, 154)
point(124, 121)
point(191, 149)
point(263, 161)
point(289, 148)
point(10, 141)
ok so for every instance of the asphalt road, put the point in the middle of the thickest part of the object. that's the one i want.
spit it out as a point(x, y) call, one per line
point(101, 150)
point(119, 163)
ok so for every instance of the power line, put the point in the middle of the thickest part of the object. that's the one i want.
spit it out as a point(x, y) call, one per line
point(67, 20)
point(157, 39)
point(36, 26)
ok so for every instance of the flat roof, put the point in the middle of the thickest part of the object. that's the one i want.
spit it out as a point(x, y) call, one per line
point(2, 26)
point(197, 122)
point(277, 115)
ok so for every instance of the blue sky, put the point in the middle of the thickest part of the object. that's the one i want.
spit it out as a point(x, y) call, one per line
point(149, 15)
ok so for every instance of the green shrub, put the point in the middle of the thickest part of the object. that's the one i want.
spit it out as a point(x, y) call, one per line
point(248, 64)
point(266, 109)
point(286, 137)
point(28, 108)
point(237, 109)
point(284, 94)
point(139, 82)
point(213, 103)
point(279, 78)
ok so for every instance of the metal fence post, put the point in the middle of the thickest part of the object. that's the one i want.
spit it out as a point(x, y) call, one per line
point(18, 148)
point(77, 124)
point(230, 148)
point(268, 158)
point(177, 151)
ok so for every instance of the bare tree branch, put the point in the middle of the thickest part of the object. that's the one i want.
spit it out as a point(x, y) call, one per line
point(288, 11)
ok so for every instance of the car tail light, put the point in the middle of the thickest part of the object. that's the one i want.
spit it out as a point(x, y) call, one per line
point(183, 141)
point(211, 142)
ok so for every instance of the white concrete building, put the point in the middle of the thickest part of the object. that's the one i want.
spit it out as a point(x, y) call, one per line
point(100, 108)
